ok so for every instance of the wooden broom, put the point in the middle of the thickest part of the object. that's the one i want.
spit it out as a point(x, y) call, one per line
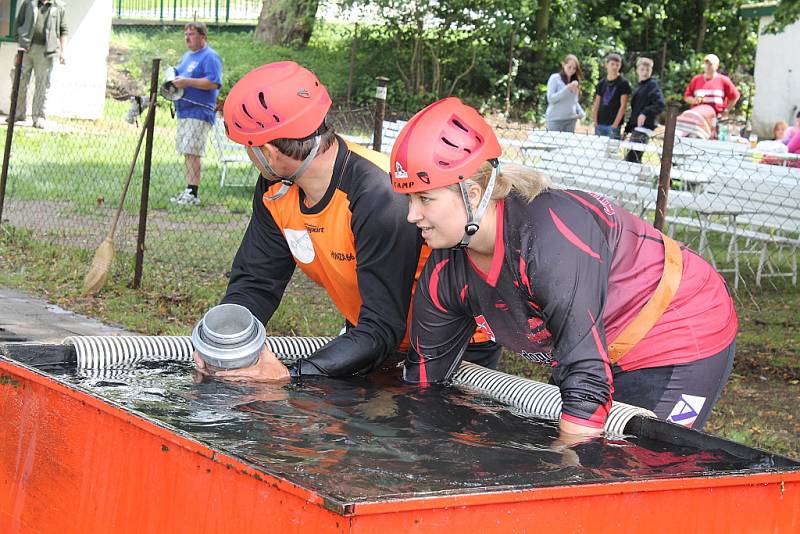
point(104, 255)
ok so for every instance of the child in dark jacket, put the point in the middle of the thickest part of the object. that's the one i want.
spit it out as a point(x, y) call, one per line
point(647, 102)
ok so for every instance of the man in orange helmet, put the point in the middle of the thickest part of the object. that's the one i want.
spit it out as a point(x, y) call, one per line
point(326, 206)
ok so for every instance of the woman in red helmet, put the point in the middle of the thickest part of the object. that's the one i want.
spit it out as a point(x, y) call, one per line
point(561, 277)
point(325, 206)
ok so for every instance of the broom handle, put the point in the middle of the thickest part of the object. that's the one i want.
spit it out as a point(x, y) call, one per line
point(130, 171)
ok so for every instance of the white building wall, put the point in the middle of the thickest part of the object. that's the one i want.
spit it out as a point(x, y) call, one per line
point(777, 78)
point(78, 88)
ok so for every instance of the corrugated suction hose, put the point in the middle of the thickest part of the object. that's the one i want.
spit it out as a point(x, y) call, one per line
point(528, 396)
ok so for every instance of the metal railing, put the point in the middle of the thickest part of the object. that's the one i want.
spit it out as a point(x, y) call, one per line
point(218, 11)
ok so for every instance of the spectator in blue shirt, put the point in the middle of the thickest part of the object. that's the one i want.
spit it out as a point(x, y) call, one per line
point(199, 74)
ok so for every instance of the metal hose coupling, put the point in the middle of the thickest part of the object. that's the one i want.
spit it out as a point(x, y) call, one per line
point(228, 337)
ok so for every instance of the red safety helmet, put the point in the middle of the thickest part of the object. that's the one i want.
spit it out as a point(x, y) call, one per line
point(441, 145)
point(280, 100)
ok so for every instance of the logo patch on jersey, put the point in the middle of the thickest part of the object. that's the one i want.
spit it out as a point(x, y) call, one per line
point(300, 244)
point(537, 357)
point(399, 171)
point(314, 229)
point(607, 207)
point(342, 256)
point(686, 410)
point(483, 326)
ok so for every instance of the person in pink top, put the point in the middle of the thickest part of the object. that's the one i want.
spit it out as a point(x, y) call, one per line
point(565, 278)
point(711, 88)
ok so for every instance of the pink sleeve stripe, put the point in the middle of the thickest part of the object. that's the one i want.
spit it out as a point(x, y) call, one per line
point(571, 237)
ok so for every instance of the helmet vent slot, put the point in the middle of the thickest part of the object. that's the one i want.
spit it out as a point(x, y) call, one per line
point(262, 99)
point(277, 119)
point(444, 163)
point(449, 143)
point(459, 125)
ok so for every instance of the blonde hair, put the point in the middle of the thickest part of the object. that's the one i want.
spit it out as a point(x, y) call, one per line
point(644, 61)
point(524, 181)
point(778, 126)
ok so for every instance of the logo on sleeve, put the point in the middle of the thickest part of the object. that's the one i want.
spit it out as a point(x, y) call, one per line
point(483, 326)
point(300, 244)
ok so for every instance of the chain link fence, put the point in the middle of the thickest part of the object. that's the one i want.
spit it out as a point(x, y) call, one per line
point(737, 206)
point(65, 181)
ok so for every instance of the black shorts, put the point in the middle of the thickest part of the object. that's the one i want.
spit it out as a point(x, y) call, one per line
point(485, 354)
point(681, 394)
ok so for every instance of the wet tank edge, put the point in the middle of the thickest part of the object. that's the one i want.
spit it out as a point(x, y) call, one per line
point(26, 354)
point(52, 354)
point(646, 427)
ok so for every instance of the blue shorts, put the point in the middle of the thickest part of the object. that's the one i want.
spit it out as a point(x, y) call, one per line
point(607, 131)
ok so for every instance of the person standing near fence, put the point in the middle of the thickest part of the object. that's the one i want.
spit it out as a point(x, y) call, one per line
point(565, 278)
point(563, 93)
point(611, 99)
point(199, 74)
point(42, 32)
point(646, 104)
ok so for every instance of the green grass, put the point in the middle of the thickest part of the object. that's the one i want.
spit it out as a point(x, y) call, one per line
point(239, 52)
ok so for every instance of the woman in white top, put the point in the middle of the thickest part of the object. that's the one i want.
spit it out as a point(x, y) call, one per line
point(563, 90)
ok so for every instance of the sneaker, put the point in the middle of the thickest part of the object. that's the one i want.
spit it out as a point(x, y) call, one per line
point(18, 119)
point(186, 198)
point(40, 123)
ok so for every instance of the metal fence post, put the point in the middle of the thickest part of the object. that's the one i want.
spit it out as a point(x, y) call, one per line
point(12, 113)
point(666, 166)
point(380, 112)
point(148, 158)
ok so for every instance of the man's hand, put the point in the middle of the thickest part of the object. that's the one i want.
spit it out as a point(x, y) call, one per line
point(62, 57)
point(267, 369)
point(640, 119)
point(181, 82)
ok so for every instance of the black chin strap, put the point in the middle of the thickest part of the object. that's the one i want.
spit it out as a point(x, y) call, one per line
point(288, 181)
point(473, 220)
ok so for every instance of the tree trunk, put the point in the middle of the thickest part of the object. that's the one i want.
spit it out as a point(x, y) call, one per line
point(542, 29)
point(286, 22)
point(511, 71)
point(353, 47)
point(701, 31)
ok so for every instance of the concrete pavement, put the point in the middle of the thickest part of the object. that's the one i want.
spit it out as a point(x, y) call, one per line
point(26, 318)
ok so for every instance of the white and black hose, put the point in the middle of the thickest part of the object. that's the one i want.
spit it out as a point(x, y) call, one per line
point(528, 396)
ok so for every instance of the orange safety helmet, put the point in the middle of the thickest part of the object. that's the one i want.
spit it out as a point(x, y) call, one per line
point(441, 145)
point(280, 100)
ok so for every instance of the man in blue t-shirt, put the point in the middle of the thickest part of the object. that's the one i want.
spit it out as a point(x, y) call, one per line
point(199, 74)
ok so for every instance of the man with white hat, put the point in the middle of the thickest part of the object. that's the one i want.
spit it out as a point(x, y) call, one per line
point(711, 88)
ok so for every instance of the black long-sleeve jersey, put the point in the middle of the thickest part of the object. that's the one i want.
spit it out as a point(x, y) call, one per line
point(355, 242)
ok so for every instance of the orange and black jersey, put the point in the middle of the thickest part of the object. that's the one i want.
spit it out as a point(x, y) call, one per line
point(355, 242)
